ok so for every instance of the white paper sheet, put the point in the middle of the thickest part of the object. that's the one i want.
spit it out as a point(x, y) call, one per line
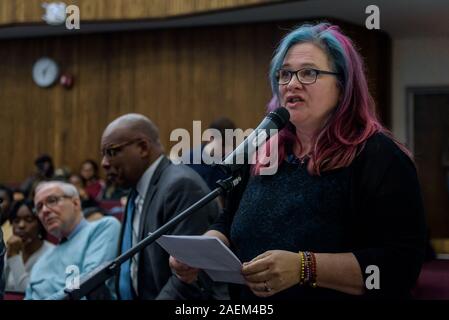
point(206, 253)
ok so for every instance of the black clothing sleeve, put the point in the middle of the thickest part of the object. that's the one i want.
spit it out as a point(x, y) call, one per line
point(388, 217)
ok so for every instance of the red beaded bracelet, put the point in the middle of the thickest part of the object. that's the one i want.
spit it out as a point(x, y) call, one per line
point(312, 281)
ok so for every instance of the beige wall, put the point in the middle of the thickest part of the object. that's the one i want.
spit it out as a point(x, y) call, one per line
point(416, 62)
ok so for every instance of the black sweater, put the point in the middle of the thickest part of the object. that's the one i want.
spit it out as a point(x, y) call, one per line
point(373, 208)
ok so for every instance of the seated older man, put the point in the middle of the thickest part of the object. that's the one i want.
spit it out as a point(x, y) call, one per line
point(83, 245)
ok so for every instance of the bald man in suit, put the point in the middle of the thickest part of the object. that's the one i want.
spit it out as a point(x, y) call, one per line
point(133, 158)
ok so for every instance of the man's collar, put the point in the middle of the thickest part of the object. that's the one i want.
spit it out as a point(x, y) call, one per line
point(83, 222)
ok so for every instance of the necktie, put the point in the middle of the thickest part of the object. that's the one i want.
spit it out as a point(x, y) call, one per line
point(125, 287)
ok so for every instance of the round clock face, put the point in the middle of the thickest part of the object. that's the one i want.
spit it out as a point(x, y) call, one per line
point(45, 72)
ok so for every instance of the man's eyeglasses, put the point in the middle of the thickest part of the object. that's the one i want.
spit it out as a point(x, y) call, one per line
point(112, 151)
point(49, 202)
point(305, 75)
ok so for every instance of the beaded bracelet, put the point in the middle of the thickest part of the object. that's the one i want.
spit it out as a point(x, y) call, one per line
point(313, 268)
point(307, 264)
point(301, 268)
point(307, 272)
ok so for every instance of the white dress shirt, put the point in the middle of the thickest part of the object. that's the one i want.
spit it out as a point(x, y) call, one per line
point(142, 188)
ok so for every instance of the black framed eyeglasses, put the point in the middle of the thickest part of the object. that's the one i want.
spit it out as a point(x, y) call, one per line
point(304, 75)
point(112, 151)
point(49, 202)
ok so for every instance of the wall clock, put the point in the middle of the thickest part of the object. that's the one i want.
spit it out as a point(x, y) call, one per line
point(45, 72)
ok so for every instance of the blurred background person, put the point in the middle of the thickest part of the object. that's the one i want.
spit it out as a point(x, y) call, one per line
point(92, 183)
point(210, 172)
point(62, 174)
point(94, 213)
point(17, 194)
point(77, 181)
point(44, 171)
point(24, 247)
point(6, 199)
point(114, 192)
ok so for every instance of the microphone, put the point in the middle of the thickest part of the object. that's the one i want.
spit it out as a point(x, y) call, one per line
point(270, 125)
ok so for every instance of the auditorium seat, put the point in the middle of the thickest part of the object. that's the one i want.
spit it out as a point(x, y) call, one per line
point(13, 295)
point(433, 282)
point(113, 208)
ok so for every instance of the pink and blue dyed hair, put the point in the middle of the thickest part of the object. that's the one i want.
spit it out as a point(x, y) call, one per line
point(353, 120)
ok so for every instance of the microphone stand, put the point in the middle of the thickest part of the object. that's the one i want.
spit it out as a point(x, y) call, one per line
point(97, 277)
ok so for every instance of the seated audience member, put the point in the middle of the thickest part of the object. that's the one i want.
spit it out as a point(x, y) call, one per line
point(93, 213)
point(6, 199)
point(62, 174)
point(82, 244)
point(86, 200)
point(91, 180)
point(114, 192)
point(24, 247)
point(44, 172)
point(17, 194)
point(211, 173)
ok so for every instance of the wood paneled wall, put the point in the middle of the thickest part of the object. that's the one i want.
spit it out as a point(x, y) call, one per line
point(173, 76)
point(31, 11)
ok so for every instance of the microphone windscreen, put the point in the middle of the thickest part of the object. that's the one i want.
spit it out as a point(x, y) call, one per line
point(280, 116)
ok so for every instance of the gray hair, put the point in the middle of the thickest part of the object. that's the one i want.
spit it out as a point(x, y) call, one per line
point(67, 188)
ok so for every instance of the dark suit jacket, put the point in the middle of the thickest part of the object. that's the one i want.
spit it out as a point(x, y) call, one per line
point(172, 189)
